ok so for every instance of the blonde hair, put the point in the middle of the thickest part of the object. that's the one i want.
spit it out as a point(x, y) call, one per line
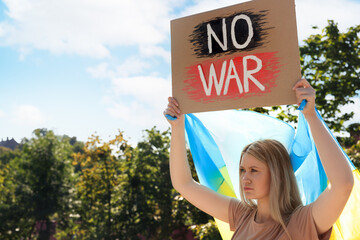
point(284, 193)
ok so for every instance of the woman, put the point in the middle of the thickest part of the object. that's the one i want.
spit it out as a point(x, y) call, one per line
point(270, 206)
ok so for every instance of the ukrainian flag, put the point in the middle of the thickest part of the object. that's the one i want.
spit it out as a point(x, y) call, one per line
point(216, 140)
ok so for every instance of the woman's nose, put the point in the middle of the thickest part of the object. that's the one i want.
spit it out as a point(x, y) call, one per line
point(246, 178)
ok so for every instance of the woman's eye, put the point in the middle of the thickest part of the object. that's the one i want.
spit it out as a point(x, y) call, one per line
point(253, 170)
point(242, 170)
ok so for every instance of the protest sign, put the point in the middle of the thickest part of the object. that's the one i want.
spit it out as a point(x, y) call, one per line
point(241, 56)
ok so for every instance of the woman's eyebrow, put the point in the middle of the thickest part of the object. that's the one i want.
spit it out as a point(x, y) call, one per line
point(255, 167)
point(251, 167)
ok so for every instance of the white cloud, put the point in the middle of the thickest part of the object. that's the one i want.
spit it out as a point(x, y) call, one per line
point(101, 71)
point(308, 13)
point(135, 114)
point(85, 27)
point(207, 5)
point(27, 115)
point(143, 88)
point(2, 29)
point(92, 27)
point(155, 51)
point(24, 51)
point(134, 117)
point(131, 66)
point(316, 13)
point(138, 102)
point(2, 114)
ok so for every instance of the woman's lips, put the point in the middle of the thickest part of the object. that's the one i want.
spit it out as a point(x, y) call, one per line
point(247, 189)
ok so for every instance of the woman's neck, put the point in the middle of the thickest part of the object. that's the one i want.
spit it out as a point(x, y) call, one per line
point(263, 211)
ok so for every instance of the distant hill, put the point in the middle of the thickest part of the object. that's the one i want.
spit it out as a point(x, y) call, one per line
point(9, 143)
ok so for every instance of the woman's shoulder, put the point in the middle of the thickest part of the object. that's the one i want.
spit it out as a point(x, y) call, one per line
point(301, 210)
point(302, 224)
point(239, 206)
point(238, 212)
point(301, 217)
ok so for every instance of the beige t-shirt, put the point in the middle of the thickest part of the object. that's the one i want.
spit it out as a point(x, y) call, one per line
point(301, 225)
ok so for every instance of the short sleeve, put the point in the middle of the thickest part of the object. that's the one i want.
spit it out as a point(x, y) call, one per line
point(302, 225)
point(236, 212)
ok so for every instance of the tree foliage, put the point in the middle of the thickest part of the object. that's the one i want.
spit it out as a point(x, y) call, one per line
point(6, 154)
point(123, 192)
point(153, 209)
point(98, 189)
point(37, 187)
point(354, 153)
point(351, 144)
point(330, 62)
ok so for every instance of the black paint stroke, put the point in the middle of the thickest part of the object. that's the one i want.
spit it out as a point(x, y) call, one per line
point(199, 38)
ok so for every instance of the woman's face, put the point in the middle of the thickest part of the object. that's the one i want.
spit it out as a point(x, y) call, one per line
point(254, 178)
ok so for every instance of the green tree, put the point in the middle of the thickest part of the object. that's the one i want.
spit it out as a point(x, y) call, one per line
point(6, 154)
point(40, 176)
point(330, 62)
point(207, 231)
point(351, 144)
point(98, 188)
point(16, 222)
point(354, 153)
point(4, 150)
point(150, 206)
point(8, 217)
point(126, 193)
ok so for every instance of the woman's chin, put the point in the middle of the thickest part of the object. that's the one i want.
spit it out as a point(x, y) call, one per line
point(249, 196)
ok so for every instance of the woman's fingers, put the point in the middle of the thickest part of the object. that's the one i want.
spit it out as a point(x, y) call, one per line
point(172, 108)
point(304, 90)
point(171, 112)
point(302, 83)
point(305, 93)
point(173, 100)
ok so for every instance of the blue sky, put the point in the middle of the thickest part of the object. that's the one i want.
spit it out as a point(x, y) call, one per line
point(75, 66)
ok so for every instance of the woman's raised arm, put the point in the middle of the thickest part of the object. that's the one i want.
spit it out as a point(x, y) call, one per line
point(329, 205)
point(200, 196)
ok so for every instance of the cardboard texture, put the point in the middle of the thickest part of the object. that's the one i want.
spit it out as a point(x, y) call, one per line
point(241, 56)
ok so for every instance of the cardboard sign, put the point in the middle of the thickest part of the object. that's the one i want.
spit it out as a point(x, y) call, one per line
point(241, 56)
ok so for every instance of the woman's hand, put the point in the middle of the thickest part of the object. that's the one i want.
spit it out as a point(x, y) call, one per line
point(303, 91)
point(174, 110)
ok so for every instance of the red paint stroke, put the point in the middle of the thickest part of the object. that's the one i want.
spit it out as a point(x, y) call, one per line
point(267, 76)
